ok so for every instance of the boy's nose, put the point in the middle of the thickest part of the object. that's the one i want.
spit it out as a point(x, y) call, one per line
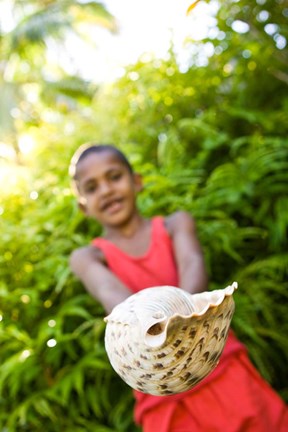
point(105, 188)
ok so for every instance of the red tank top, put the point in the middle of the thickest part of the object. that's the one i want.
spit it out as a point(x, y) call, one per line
point(155, 268)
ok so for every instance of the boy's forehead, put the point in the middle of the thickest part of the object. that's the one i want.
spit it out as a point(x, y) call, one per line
point(98, 162)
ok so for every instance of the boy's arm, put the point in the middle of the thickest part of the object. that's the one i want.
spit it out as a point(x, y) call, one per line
point(100, 282)
point(188, 253)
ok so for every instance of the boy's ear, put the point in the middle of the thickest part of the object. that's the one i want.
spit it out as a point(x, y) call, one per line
point(138, 181)
point(82, 206)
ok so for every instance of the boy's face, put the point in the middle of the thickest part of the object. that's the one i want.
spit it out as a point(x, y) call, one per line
point(107, 189)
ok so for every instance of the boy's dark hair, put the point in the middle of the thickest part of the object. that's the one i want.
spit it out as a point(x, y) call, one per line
point(86, 149)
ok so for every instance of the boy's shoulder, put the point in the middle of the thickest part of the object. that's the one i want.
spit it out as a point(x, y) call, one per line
point(86, 253)
point(179, 221)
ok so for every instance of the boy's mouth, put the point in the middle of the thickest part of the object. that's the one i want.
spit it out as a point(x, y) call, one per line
point(112, 206)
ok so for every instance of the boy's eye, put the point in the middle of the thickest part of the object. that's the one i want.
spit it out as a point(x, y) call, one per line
point(116, 176)
point(90, 189)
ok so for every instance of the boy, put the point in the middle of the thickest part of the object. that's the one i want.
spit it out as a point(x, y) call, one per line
point(136, 253)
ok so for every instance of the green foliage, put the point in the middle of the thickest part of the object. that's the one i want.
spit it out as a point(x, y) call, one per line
point(211, 140)
point(54, 367)
point(53, 19)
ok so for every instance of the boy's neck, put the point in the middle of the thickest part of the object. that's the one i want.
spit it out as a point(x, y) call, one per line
point(127, 230)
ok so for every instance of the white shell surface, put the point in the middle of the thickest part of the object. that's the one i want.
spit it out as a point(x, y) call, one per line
point(164, 340)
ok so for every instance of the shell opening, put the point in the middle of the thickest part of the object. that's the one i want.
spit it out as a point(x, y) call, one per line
point(156, 334)
point(155, 329)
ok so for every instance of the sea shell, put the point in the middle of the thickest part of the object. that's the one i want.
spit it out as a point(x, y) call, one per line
point(164, 340)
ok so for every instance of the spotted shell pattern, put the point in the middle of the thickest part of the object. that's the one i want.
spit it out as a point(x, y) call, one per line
point(163, 340)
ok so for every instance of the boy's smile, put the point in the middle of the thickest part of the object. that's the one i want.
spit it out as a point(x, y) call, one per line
point(112, 206)
point(107, 189)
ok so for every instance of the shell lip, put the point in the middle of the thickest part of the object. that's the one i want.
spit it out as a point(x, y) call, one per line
point(155, 334)
point(222, 293)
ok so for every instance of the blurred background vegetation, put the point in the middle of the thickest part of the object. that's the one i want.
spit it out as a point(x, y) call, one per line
point(210, 139)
